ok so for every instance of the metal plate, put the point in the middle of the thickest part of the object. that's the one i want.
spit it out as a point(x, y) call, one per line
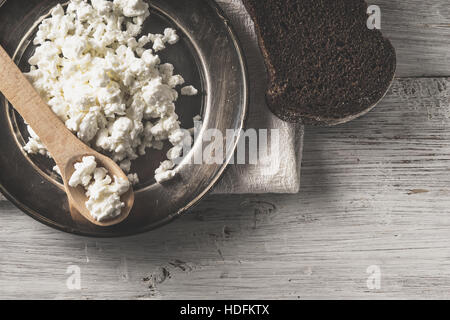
point(208, 56)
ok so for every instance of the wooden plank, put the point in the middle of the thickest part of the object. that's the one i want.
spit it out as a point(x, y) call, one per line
point(375, 192)
point(420, 32)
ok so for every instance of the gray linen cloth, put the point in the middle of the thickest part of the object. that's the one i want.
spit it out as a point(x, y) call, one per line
point(283, 173)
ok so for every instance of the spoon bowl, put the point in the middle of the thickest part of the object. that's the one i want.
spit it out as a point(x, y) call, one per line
point(78, 195)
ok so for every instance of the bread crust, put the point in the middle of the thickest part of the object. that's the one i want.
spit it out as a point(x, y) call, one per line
point(283, 92)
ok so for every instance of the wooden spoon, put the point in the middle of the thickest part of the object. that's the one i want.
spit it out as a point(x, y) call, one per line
point(64, 147)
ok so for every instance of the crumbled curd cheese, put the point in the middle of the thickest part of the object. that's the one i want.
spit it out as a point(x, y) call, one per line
point(100, 79)
point(103, 193)
point(189, 91)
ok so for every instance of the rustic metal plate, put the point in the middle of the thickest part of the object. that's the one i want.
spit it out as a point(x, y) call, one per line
point(208, 56)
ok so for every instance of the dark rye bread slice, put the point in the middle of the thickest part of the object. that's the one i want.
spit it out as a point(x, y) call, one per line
point(325, 66)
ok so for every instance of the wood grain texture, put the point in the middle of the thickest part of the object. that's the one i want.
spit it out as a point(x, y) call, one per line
point(374, 192)
point(420, 32)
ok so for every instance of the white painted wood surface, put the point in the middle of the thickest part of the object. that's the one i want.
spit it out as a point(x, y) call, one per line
point(374, 192)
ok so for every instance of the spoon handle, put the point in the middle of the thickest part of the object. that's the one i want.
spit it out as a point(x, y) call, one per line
point(26, 100)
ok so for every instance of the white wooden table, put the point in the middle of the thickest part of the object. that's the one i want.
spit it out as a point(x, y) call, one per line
point(375, 192)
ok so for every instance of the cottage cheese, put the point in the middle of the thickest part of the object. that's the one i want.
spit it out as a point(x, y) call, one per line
point(105, 84)
point(189, 91)
point(103, 193)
